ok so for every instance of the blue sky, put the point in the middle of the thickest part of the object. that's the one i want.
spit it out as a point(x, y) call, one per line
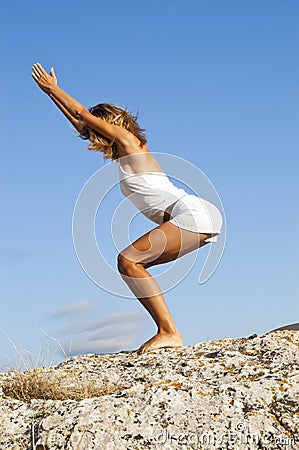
point(215, 83)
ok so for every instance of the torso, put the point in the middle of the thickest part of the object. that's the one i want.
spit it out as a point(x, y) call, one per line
point(134, 159)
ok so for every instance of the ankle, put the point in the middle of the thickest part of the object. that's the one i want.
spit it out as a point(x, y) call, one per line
point(169, 331)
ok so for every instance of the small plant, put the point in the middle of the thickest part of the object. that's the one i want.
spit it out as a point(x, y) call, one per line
point(27, 360)
point(40, 384)
point(33, 382)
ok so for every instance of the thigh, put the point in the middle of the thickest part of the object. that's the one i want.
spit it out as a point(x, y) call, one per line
point(163, 244)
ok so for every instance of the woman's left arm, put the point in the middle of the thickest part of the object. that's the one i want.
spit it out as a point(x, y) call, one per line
point(75, 122)
point(48, 84)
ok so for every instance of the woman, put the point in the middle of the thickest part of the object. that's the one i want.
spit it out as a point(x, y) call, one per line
point(185, 222)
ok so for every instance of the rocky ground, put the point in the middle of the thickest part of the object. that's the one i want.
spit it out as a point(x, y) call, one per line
point(227, 394)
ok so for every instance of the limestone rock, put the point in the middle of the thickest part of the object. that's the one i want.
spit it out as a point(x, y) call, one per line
point(226, 394)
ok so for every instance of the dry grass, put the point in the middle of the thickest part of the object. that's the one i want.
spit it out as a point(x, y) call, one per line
point(32, 381)
point(40, 384)
point(27, 360)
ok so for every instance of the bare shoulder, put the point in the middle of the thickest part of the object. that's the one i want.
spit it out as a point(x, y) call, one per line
point(130, 144)
point(123, 138)
point(135, 158)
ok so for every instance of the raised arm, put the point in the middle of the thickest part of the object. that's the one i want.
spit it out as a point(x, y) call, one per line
point(75, 122)
point(75, 111)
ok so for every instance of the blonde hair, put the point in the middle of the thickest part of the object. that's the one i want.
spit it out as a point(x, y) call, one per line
point(117, 116)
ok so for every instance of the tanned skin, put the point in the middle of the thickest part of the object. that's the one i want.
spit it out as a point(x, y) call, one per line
point(174, 241)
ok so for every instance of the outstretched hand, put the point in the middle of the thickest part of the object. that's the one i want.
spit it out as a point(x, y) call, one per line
point(43, 79)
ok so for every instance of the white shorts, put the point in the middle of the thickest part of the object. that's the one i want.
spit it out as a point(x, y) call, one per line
point(197, 214)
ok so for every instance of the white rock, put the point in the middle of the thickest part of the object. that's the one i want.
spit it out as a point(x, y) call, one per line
point(227, 394)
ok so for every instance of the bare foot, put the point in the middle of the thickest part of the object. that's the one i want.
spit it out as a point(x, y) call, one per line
point(160, 340)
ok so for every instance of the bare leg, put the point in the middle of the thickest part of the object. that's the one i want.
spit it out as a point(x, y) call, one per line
point(161, 245)
point(167, 334)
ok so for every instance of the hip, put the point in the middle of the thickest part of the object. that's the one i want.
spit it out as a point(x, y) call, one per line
point(167, 213)
point(195, 207)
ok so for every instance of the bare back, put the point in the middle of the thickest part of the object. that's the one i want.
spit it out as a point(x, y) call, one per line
point(136, 159)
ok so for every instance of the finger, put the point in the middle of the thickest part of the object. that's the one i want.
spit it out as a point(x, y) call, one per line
point(34, 77)
point(35, 73)
point(41, 68)
point(52, 73)
point(36, 70)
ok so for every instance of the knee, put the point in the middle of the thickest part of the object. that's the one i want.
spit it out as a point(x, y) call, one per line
point(125, 266)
